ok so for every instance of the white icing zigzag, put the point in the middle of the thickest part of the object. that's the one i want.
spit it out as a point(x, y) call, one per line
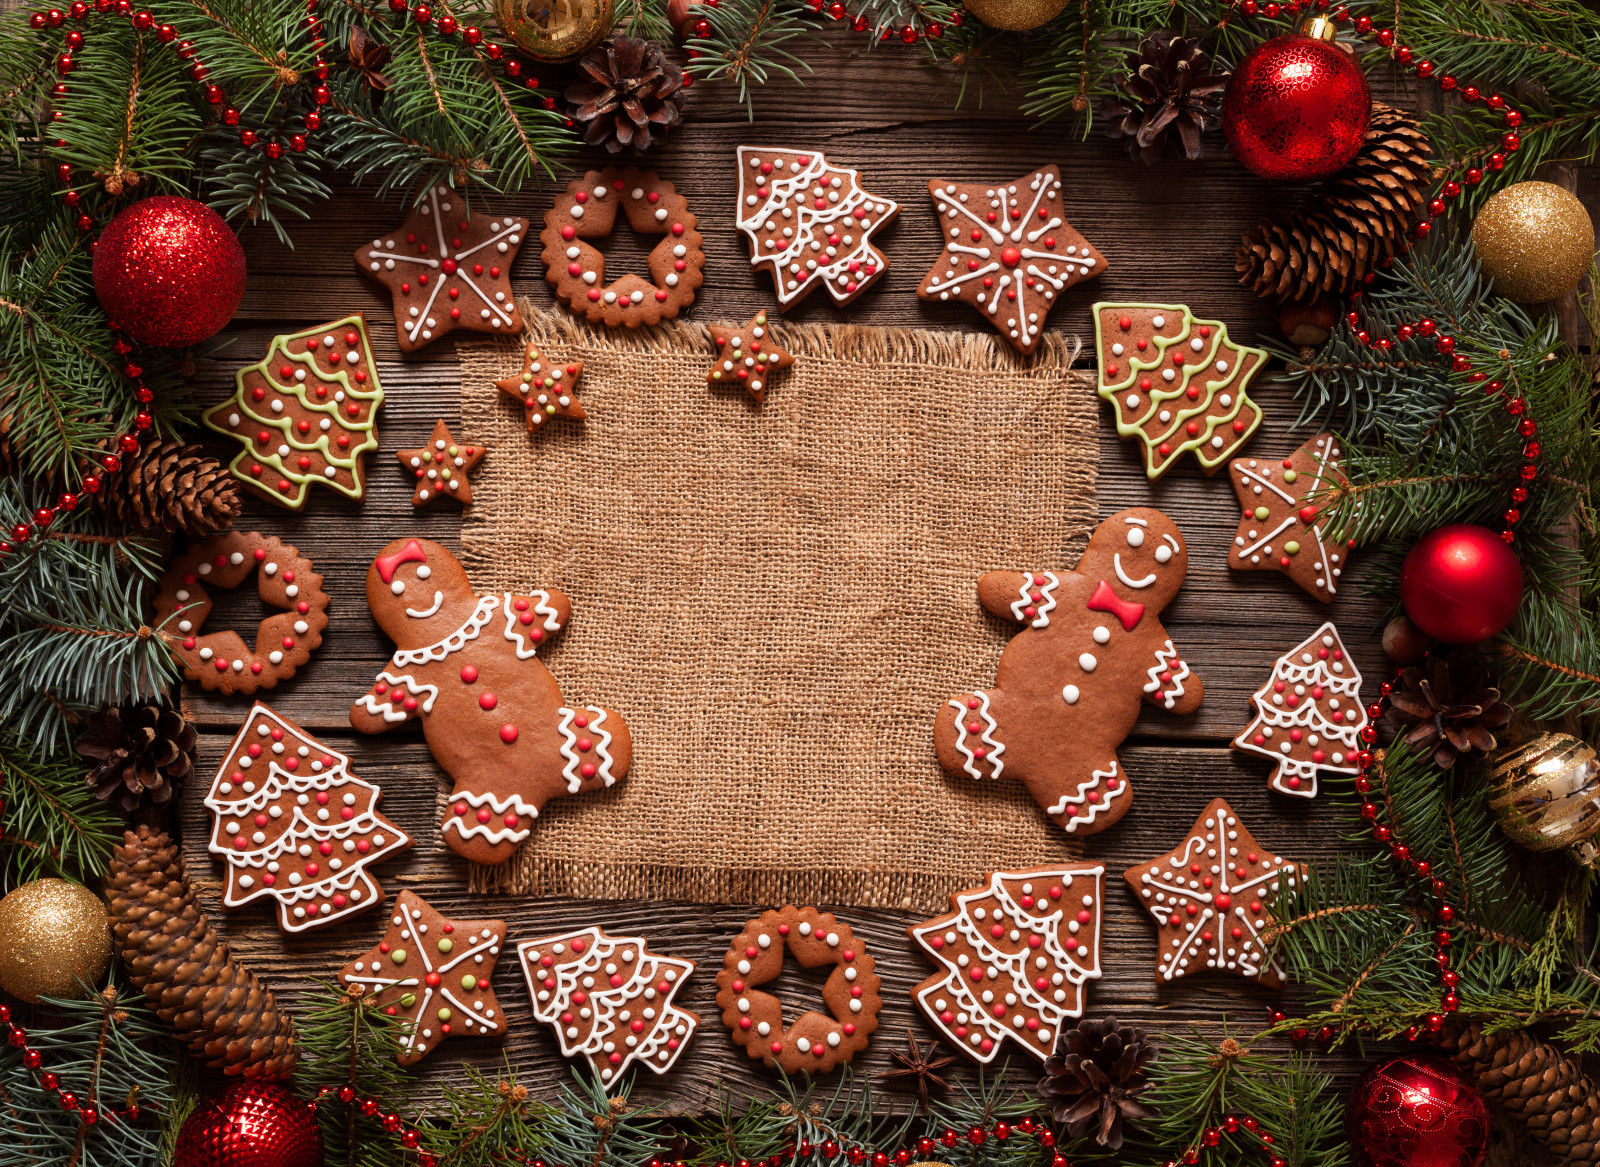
point(1042, 609)
point(490, 831)
point(386, 709)
point(569, 750)
point(514, 632)
point(1164, 657)
point(1081, 798)
point(990, 727)
point(455, 642)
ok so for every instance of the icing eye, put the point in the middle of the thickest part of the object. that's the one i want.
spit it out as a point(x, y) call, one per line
point(424, 571)
point(1135, 536)
point(1163, 553)
point(398, 586)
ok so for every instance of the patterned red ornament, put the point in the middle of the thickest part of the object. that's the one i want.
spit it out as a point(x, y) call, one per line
point(169, 271)
point(1461, 584)
point(1417, 1111)
point(252, 1124)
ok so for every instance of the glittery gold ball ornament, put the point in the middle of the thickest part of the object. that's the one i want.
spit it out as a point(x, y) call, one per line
point(1535, 240)
point(554, 30)
point(52, 935)
point(1546, 794)
point(1015, 15)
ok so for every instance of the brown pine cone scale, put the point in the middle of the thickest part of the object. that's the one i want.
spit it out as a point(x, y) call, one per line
point(1093, 1082)
point(142, 752)
point(169, 486)
point(628, 95)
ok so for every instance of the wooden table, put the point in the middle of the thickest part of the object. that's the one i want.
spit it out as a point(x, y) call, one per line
point(1168, 232)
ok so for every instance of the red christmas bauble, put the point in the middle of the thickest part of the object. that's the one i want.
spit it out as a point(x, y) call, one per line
point(1296, 109)
point(1461, 584)
point(169, 272)
point(253, 1124)
point(1417, 1111)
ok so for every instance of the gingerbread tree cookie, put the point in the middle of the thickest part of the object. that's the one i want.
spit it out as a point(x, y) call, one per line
point(1211, 898)
point(811, 223)
point(1033, 937)
point(1283, 528)
point(609, 999)
point(1070, 685)
point(432, 973)
point(747, 355)
point(1309, 715)
point(442, 467)
point(545, 388)
point(293, 823)
point(1008, 251)
point(305, 414)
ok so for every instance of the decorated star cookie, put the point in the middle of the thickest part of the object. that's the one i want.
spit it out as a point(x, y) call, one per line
point(305, 414)
point(447, 268)
point(1070, 685)
point(546, 388)
point(1309, 716)
point(1008, 251)
point(293, 824)
point(433, 974)
point(1015, 955)
point(442, 467)
point(811, 223)
point(609, 999)
point(1211, 897)
point(747, 355)
point(1282, 529)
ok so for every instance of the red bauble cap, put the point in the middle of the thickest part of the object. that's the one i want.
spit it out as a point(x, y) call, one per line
point(251, 1124)
point(1418, 1109)
point(1461, 584)
point(169, 271)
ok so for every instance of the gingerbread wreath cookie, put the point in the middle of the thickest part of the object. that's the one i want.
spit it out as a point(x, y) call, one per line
point(816, 1043)
point(576, 269)
point(747, 355)
point(221, 660)
point(545, 388)
point(1070, 684)
point(1309, 716)
point(1282, 527)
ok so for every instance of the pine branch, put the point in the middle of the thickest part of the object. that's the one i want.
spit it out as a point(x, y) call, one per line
point(745, 45)
point(51, 822)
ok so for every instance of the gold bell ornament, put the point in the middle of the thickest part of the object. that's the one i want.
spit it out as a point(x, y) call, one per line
point(1546, 794)
point(55, 937)
point(554, 30)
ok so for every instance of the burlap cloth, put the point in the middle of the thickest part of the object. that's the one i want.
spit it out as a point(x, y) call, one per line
point(778, 598)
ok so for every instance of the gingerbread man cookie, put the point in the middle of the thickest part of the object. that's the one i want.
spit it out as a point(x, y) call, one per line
point(1070, 684)
point(468, 666)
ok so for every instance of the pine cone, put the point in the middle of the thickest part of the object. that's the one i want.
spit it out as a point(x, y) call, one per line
point(633, 97)
point(188, 975)
point(1168, 86)
point(1094, 1079)
point(1358, 220)
point(1449, 705)
point(169, 486)
point(141, 752)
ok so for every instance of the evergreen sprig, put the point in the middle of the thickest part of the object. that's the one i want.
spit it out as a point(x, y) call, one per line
point(51, 823)
point(749, 42)
point(348, 1041)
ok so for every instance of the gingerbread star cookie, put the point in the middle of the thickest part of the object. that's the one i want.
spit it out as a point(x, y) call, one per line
point(442, 467)
point(1211, 897)
point(1282, 529)
point(433, 974)
point(546, 388)
point(747, 355)
point(1008, 251)
point(447, 268)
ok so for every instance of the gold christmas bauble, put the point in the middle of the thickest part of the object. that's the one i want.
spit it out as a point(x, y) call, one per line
point(1535, 240)
point(1015, 15)
point(53, 934)
point(1546, 794)
point(554, 30)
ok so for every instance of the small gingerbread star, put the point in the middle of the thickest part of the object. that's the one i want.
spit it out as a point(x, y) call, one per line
point(433, 974)
point(546, 388)
point(1211, 897)
point(747, 354)
point(442, 467)
point(1282, 528)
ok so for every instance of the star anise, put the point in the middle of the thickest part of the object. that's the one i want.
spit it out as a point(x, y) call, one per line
point(920, 1064)
point(368, 56)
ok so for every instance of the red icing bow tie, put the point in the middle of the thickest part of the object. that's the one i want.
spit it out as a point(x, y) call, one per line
point(1106, 600)
point(387, 565)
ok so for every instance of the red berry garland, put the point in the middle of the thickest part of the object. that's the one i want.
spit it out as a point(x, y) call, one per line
point(87, 1109)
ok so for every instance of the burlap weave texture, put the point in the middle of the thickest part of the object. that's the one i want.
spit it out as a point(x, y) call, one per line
point(778, 598)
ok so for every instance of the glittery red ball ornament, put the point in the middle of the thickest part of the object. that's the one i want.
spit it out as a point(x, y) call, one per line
point(1461, 584)
point(253, 1124)
point(1297, 106)
point(168, 271)
point(1417, 1111)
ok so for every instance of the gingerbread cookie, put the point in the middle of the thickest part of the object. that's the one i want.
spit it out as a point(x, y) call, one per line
point(221, 661)
point(442, 467)
point(1309, 716)
point(609, 999)
point(747, 355)
point(432, 973)
point(1211, 897)
point(1070, 684)
point(545, 388)
point(293, 823)
point(1009, 252)
point(816, 1043)
point(576, 269)
point(810, 223)
point(468, 667)
point(306, 414)
point(447, 268)
point(1016, 954)
point(1177, 384)
point(1282, 529)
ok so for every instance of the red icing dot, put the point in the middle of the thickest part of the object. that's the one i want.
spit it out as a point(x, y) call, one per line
point(508, 733)
point(469, 673)
point(487, 701)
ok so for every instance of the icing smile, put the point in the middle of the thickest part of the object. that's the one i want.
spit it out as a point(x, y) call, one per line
point(1116, 561)
point(438, 602)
